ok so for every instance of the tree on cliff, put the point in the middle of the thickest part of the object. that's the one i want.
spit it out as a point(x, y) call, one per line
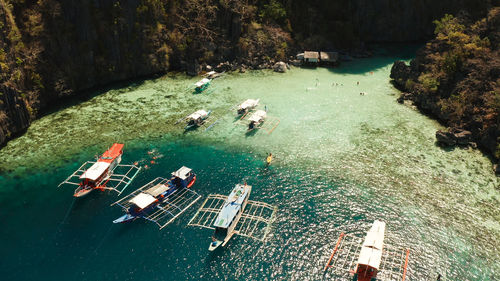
point(456, 76)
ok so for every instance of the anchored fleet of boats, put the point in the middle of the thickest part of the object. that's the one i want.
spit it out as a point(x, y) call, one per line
point(162, 200)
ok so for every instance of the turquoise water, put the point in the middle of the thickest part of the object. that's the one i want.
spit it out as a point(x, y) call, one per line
point(342, 160)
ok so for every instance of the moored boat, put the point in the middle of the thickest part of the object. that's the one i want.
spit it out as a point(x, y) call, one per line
point(197, 118)
point(213, 74)
point(95, 176)
point(256, 119)
point(229, 215)
point(201, 85)
point(247, 105)
point(150, 199)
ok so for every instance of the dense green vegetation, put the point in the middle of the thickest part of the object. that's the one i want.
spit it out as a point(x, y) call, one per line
point(456, 76)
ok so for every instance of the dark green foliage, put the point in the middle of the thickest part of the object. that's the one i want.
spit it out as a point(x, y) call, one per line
point(456, 77)
point(274, 10)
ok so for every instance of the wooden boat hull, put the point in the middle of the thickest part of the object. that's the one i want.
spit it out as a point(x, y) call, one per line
point(81, 192)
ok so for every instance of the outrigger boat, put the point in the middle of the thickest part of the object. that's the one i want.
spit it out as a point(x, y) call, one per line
point(234, 214)
point(247, 105)
point(230, 215)
point(197, 118)
point(213, 75)
point(101, 174)
point(371, 252)
point(256, 119)
point(202, 85)
point(161, 200)
point(375, 260)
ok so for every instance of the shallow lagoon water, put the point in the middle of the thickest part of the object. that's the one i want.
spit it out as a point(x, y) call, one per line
point(342, 160)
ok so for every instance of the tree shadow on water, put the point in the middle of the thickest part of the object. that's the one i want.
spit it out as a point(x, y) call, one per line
point(383, 57)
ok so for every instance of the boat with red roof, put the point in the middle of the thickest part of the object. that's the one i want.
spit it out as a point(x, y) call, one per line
point(103, 174)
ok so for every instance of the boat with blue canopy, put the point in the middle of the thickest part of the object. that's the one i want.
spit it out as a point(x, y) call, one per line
point(161, 200)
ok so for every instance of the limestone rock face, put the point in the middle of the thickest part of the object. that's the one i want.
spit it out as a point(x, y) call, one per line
point(14, 115)
point(400, 72)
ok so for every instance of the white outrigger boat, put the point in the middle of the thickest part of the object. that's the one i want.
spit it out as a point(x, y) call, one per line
point(371, 252)
point(213, 74)
point(197, 118)
point(201, 85)
point(102, 174)
point(230, 215)
point(257, 118)
point(234, 214)
point(247, 105)
point(375, 260)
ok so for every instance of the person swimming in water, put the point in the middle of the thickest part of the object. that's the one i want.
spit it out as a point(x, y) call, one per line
point(269, 158)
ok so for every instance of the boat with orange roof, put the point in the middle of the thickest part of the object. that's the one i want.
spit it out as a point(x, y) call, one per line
point(103, 174)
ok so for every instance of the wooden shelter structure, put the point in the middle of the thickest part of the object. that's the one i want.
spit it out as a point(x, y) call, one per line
point(311, 57)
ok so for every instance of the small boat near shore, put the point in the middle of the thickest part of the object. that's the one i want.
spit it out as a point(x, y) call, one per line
point(101, 174)
point(202, 85)
point(159, 200)
point(256, 120)
point(213, 74)
point(247, 105)
point(197, 118)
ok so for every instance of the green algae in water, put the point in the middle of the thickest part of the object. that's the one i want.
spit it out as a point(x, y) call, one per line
point(342, 160)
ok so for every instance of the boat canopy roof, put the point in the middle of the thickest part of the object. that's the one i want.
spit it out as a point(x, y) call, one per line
point(370, 257)
point(157, 189)
point(182, 173)
point(249, 103)
point(95, 171)
point(202, 82)
point(232, 205)
point(258, 116)
point(198, 114)
point(142, 200)
point(371, 251)
point(114, 151)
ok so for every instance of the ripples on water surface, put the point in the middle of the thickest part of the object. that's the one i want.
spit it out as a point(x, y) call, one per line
point(342, 160)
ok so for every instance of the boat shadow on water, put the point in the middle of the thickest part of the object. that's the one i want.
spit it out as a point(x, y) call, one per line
point(190, 129)
point(92, 201)
point(251, 133)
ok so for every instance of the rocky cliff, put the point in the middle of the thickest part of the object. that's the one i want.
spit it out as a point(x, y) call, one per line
point(456, 78)
point(51, 49)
